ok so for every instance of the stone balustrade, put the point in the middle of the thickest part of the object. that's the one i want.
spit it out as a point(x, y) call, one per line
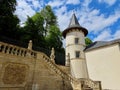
point(95, 85)
point(58, 70)
point(18, 51)
point(15, 50)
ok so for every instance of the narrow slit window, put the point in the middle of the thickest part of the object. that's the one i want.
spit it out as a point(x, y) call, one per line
point(77, 53)
point(76, 40)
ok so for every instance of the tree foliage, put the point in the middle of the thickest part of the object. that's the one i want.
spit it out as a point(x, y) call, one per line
point(9, 23)
point(49, 18)
point(88, 41)
point(43, 29)
point(33, 31)
point(54, 37)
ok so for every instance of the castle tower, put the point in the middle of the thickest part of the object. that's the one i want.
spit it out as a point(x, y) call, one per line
point(75, 44)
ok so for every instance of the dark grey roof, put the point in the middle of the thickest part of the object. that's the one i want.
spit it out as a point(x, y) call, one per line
point(74, 24)
point(99, 44)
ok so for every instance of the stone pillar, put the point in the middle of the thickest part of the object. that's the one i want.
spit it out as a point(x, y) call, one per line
point(30, 45)
point(67, 62)
point(52, 55)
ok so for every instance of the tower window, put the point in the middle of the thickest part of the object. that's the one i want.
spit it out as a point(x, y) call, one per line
point(76, 40)
point(77, 53)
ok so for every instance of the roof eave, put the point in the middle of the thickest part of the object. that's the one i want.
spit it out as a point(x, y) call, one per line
point(70, 28)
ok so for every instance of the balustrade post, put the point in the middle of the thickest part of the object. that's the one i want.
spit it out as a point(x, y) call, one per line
point(3, 50)
point(20, 51)
point(8, 50)
point(16, 51)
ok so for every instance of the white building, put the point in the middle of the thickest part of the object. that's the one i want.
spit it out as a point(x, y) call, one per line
point(103, 61)
point(75, 45)
point(99, 61)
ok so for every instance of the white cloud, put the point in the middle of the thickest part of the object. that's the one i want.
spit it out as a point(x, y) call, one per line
point(117, 34)
point(109, 2)
point(103, 36)
point(86, 3)
point(56, 3)
point(95, 21)
point(23, 10)
point(106, 35)
point(61, 10)
point(36, 4)
point(74, 2)
point(64, 20)
point(90, 18)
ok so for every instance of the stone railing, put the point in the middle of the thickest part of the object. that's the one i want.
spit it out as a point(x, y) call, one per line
point(18, 51)
point(15, 50)
point(58, 70)
point(95, 85)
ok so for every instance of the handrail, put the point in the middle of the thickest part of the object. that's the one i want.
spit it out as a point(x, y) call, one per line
point(92, 84)
point(19, 51)
point(95, 85)
point(15, 50)
point(58, 70)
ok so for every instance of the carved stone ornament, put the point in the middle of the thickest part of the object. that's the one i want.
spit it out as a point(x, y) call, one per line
point(30, 45)
point(52, 55)
point(14, 73)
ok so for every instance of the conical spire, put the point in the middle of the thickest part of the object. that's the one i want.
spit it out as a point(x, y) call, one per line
point(74, 22)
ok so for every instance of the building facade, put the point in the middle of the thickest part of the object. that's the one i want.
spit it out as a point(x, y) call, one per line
point(75, 45)
point(103, 61)
point(26, 69)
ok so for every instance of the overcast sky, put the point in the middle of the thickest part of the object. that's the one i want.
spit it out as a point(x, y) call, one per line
point(100, 17)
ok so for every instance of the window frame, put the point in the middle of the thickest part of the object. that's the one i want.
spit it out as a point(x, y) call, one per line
point(77, 54)
point(76, 40)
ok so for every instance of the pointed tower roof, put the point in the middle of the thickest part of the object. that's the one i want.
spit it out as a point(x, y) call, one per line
point(74, 24)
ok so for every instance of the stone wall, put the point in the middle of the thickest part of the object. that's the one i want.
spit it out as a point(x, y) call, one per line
point(23, 69)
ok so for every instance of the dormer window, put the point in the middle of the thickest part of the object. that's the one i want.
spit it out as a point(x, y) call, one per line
point(76, 40)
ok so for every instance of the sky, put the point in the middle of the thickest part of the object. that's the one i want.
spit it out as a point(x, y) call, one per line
point(100, 17)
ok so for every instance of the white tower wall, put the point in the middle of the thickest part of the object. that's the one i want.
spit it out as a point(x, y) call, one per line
point(77, 64)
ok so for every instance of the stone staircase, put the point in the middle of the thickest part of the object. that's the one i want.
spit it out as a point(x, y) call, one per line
point(85, 84)
point(77, 84)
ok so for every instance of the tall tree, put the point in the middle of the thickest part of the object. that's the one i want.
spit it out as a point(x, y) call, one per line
point(33, 31)
point(53, 33)
point(8, 21)
point(54, 38)
point(43, 29)
point(49, 17)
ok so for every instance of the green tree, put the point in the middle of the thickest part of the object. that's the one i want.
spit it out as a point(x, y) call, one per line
point(54, 38)
point(32, 31)
point(43, 28)
point(9, 23)
point(39, 22)
point(49, 18)
point(88, 41)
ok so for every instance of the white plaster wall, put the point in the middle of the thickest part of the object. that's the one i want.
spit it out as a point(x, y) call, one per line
point(77, 65)
point(79, 69)
point(71, 47)
point(73, 34)
point(104, 65)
